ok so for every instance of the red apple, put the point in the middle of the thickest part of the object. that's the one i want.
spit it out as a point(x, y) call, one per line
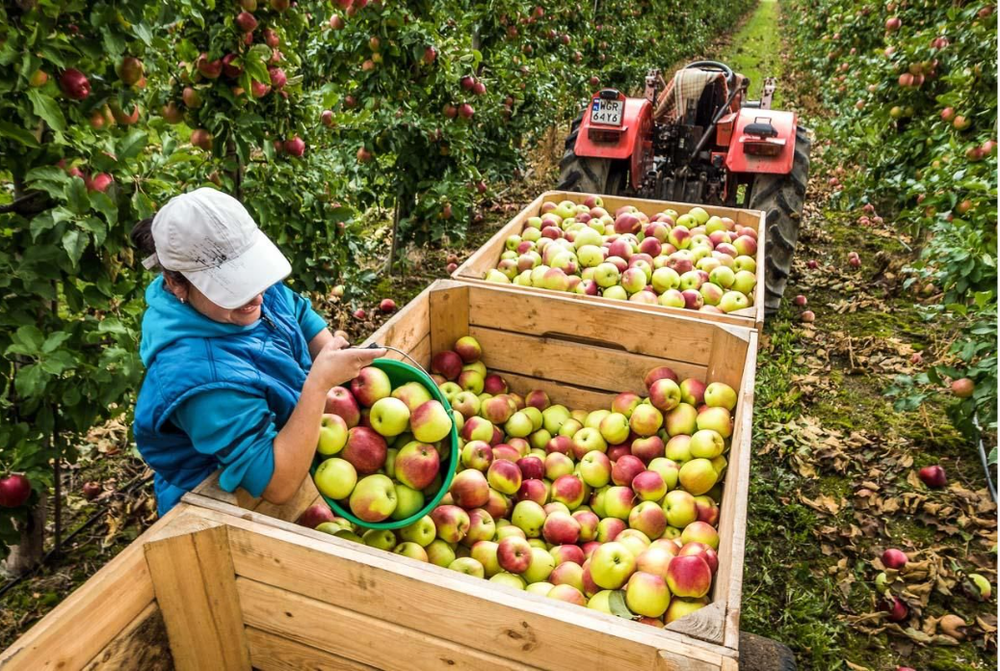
point(365, 450)
point(933, 476)
point(315, 515)
point(74, 84)
point(894, 559)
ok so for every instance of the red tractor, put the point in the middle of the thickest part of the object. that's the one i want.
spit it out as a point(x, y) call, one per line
point(698, 139)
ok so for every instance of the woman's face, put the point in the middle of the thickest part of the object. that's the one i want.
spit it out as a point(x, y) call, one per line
point(243, 316)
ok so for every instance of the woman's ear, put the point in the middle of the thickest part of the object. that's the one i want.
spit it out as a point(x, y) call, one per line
point(177, 288)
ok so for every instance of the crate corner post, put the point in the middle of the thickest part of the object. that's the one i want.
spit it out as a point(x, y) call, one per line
point(194, 582)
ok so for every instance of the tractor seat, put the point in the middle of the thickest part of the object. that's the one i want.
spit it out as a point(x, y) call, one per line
point(692, 97)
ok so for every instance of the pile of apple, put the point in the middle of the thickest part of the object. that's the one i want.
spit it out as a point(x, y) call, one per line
point(691, 260)
point(359, 469)
point(614, 509)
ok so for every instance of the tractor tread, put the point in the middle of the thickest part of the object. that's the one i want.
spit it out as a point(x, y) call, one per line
point(782, 198)
point(582, 174)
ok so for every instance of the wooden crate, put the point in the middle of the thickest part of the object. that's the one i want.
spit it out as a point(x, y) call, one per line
point(215, 587)
point(582, 354)
point(486, 257)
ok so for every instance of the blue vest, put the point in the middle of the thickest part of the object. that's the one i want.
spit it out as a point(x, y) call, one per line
point(270, 360)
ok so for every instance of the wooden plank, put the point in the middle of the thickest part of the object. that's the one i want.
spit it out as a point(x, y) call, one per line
point(504, 308)
point(79, 628)
point(487, 256)
point(569, 395)
point(730, 349)
point(141, 646)
point(706, 624)
point(558, 360)
point(270, 652)
point(358, 636)
point(290, 511)
point(449, 315)
point(194, 581)
point(736, 509)
point(406, 328)
point(512, 624)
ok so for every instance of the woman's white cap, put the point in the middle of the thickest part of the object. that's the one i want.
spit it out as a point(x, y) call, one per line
point(211, 239)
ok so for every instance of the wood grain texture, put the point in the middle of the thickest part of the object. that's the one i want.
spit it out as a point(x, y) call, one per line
point(358, 636)
point(242, 498)
point(449, 315)
point(406, 328)
point(194, 582)
point(141, 646)
point(706, 624)
point(562, 361)
point(78, 629)
point(271, 652)
point(513, 625)
point(681, 338)
point(487, 256)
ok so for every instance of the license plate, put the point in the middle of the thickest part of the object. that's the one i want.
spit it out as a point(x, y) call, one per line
point(607, 112)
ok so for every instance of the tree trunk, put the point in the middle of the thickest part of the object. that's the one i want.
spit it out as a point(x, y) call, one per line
point(404, 205)
point(28, 552)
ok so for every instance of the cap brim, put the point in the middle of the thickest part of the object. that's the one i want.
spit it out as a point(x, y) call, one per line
point(237, 281)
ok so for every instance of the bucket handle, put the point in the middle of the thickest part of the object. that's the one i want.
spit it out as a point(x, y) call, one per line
point(375, 345)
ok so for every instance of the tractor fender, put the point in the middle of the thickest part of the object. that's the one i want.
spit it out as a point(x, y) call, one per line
point(737, 160)
point(635, 142)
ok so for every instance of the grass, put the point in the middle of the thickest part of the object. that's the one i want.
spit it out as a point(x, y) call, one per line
point(803, 582)
point(756, 50)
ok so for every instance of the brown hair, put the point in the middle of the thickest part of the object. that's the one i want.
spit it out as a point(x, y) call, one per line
point(142, 238)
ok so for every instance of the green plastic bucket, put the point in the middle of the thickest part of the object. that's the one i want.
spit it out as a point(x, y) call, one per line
point(400, 373)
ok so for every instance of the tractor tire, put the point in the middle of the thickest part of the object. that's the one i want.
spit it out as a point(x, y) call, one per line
point(589, 175)
point(781, 197)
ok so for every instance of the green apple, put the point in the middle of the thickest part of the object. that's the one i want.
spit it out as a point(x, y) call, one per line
point(468, 566)
point(332, 434)
point(440, 553)
point(529, 517)
point(611, 565)
point(732, 301)
point(540, 567)
point(722, 276)
point(615, 428)
point(667, 469)
point(616, 293)
point(383, 539)
point(508, 579)
point(707, 444)
point(553, 417)
point(422, 532)
point(601, 601)
point(335, 478)
point(408, 502)
point(720, 395)
point(680, 507)
point(413, 394)
point(744, 282)
point(519, 425)
point(539, 588)
point(647, 594)
point(593, 419)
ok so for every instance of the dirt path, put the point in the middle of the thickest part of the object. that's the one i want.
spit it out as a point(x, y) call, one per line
point(834, 479)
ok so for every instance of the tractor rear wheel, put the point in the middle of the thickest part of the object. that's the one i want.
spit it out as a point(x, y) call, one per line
point(590, 175)
point(781, 197)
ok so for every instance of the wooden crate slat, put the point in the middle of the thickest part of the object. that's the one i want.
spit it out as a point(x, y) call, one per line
point(566, 394)
point(363, 637)
point(407, 328)
point(271, 652)
point(141, 646)
point(195, 586)
point(381, 585)
point(504, 308)
point(449, 316)
point(573, 363)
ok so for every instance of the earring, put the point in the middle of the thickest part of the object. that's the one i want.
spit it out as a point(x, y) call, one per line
point(182, 300)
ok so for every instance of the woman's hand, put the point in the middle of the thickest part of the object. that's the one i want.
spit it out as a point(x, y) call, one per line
point(338, 363)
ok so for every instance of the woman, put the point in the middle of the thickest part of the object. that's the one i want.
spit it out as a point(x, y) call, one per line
point(238, 366)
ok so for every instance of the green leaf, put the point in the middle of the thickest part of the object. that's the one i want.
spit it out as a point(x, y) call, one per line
point(74, 241)
point(97, 227)
point(77, 197)
point(617, 604)
point(52, 343)
point(102, 203)
point(30, 337)
point(58, 362)
point(48, 109)
point(30, 381)
point(18, 134)
point(112, 325)
point(142, 31)
point(131, 145)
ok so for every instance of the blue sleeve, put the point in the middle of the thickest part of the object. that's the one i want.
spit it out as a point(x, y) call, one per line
point(238, 430)
point(309, 320)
